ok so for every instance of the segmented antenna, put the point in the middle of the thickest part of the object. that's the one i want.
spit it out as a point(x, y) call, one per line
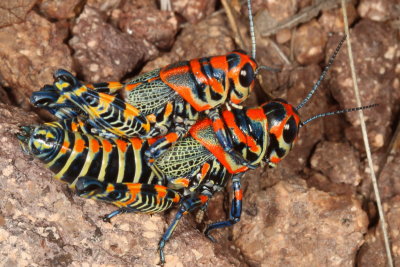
point(322, 77)
point(335, 113)
point(252, 34)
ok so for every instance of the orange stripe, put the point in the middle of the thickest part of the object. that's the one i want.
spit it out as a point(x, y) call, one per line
point(130, 87)
point(134, 190)
point(275, 159)
point(79, 145)
point(151, 118)
point(239, 194)
point(95, 146)
point(204, 170)
point(176, 199)
point(219, 62)
point(256, 114)
point(136, 142)
point(114, 85)
point(74, 126)
point(107, 145)
point(122, 145)
point(182, 181)
point(203, 199)
point(64, 147)
point(171, 137)
point(218, 125)
point(161, 192)
point(168, 109)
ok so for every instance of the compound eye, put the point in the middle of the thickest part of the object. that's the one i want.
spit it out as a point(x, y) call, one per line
point(246, 75)
point(91, 100)
point(290, 130)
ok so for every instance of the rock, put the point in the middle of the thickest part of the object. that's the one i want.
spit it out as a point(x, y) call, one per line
point(210, 37)
point(51, 226)
point(156, 26)
point(279, 10)
point(296, 226)
point(373, 253)
point(309, 43)
point(379, 10)
point(332, 20)
point(301, 82)
point(30, 53)
point(14, 11)
point(194, 11)
point(375, 51)
point(59, 9)
point(108, 6)
point(338, 161)
point(4, 97)
point(102, 52)
point(389, 182)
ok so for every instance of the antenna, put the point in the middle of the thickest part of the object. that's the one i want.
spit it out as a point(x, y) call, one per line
point(252, 34)
point(321, 78)
point(335, 113)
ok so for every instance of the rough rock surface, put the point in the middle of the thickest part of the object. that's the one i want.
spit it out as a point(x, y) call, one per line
point(98, 47)
point(158, 27)
point(293, 225)
point(29, 60)
point(337, 161)
point(310, 42)
point(58, 9)
point(372, 253)
point(14, 11)
point(194, 11)
point(209, 37)
point(376, 55)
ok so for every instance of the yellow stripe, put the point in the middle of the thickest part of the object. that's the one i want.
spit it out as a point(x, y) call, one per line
point(104, 164)
point(121, 165)
point(88, 161)
point(71, 158)
point(138, 164)
point(57, 157)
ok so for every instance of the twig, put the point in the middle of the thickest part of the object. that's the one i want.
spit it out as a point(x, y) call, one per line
point(280, 52)
point(365, 137)
point(232, 22)
point(306, 14)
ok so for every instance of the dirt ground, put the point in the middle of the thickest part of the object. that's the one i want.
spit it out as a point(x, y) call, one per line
point(317, 208)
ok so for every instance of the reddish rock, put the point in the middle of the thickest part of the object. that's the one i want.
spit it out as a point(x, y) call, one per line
point(59, 9)
point(389, 182)
point(301, 82)
point(30, 53)
point(338, 161)
point(379, 10)
point(295, 225)
point(373, 253)
point(309, 43)
point(14, 11)
point(156, 26)
point(279, 10)
point(194, 11)
point(375, 51)
point(210, 37)
point(107, 6)
point(332, 20)
point(102, 52)
point(4, 97)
